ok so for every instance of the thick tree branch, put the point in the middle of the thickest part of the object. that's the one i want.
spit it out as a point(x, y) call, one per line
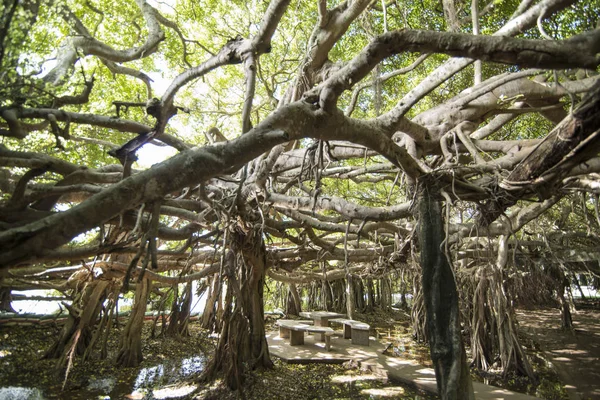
point(341, 206)
point(261, 42)
point(453, 66)
point(579, 51)
point(87, 45)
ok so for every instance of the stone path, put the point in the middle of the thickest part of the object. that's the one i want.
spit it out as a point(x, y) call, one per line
point(396, 369)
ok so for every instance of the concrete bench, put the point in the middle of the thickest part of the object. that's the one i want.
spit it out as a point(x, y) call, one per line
point(295, 331)
point(322, 333)
point(355, 330)
point(289, 328)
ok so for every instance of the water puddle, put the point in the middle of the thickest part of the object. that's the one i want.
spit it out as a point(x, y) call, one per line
point(168, 373)
point(103, 385)
point(161, 381)
point(20, 393)
point(192, 365)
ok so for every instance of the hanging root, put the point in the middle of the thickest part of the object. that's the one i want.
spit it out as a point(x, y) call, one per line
point(70, 356)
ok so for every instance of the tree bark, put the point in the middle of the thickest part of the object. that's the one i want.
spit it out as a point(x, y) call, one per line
point(130, 348)
point(370, 295)
point(441, 302)
point(359, 294)
point(350, 304)
point(566, 319)
point(386, 293)
point(418, 315)
point(243, 342)
point(481, 323)
point(511, 353)
point(5, 300)
point(294, 305)
point(325, 296)
point(213, 309)
point(76, 333)
point(339, 295)
point(180, 313)
point(573, 141)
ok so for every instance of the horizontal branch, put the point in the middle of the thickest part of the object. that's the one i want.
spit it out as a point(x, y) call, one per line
point(307, 277)
point(119, 124)
point(578, 52)
point(153, 276)
point(341, 206)
point(85, 44)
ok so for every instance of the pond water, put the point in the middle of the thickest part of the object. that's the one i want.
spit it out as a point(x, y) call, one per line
point(160, 381)
point(20, 393)
point(156, 382)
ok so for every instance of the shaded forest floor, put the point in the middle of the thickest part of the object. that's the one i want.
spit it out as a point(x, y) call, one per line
point(394, 327)
point(171, 365)
point(169, 371)
point(575, 355)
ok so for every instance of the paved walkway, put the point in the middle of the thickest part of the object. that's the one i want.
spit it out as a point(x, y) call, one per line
point(395, 369)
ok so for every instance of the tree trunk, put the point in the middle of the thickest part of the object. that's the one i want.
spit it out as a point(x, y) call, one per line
point(242, 342)
point(130, 348)
point(482, 326)
point(338, 290)
point(349, 296)
point(103, 327)
point(386, 293)
point(512, 355)
point(180, 313)
point(111, 316)
point(370, 295)
point(326, 302)
point(566, 318)
point(441, 303)
point(418, 315)
point(403, 288)
point(211, 320)
point(76, 333)
point(359, 294)
point(5, 300)
point(578, 284)
point(294, 305)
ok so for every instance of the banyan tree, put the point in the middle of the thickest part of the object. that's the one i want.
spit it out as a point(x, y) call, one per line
point(351, 149)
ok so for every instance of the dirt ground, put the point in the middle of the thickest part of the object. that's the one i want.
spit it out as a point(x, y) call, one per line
point(170, 370)
point(168, 365)
point(574, 355)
